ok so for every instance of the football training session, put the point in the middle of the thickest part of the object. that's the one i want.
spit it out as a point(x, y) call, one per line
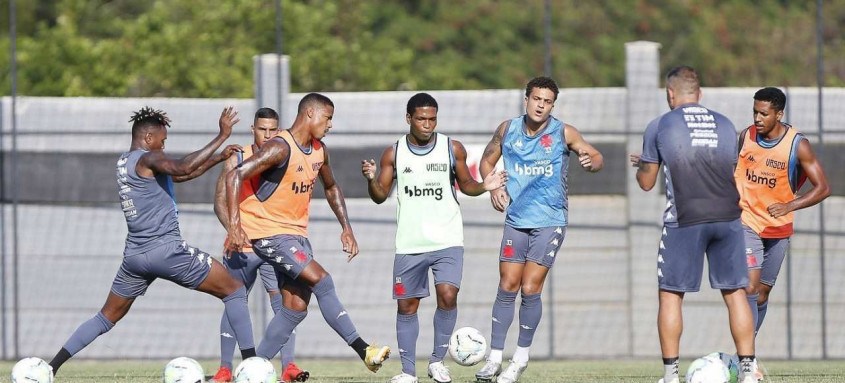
point(399, 191)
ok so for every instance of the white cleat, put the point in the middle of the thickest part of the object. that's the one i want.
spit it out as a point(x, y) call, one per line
point(403, 378)
point(512, 373)
point(675, 380)
point(489, 372)
point(439, 372)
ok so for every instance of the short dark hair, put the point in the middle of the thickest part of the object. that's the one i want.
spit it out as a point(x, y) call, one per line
point(311, 99)
point(420, 100)
point(542, 82)
point(773, 95)
point(266, 113)
point(148, 117)
point(683, 79)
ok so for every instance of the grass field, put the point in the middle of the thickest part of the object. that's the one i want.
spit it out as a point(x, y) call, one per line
point(349, 371)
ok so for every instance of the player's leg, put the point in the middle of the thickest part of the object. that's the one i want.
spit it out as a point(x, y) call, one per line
point(775, 252)
point(295, 297)
point(680, 262)
point(447, 266)
point(243, 267)
point(725, 254)
point(410, 284)
point(754, 258)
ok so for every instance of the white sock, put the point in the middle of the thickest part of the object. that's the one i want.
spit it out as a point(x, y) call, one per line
point(521, 355)
point(495, 356)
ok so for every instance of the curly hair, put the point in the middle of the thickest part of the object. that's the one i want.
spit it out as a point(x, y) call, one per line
point(148, 117)
point(542, 83)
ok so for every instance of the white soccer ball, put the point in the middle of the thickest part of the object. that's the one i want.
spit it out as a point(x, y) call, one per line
point(255, 370)
point(467, 346)
point(32, 370)
point(732, 362)
point(708, 369)
point(183, 370)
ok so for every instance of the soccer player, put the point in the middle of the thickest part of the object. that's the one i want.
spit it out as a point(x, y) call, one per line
point(154, 245)
point(274, 219)
point(697, 149)
point(536, 148)
point(774, 161)
point(429, 234)
point(244, 265)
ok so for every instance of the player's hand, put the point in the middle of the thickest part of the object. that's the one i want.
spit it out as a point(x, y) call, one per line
point(586, 159)
point(500, 199)
point(778, 209)
point(236, 239)
point(635, 159)
point(227, 121)
point(495, 179)
point(350, 245)
point(368, 169)
point(229, 150)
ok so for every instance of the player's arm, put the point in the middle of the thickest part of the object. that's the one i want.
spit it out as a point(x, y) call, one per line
point(380, 181)
point(815, 174)
point(492, 152)
point(648, 163)
point(208, 164)
point(220, 192)
point(589, 157)
point(159, 162)
point(466, 183)
point(272, 153)
point(334, 196)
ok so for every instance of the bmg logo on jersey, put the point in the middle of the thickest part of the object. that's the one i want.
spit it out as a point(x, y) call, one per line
point(538, 168)
point(771, 182)
point(414, 191)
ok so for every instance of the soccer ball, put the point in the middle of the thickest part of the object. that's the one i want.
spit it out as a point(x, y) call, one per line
point(255, 370)
point(708, 369)
point(183, 370)
point(732, 362)
point(32, 370)
point(467, 346)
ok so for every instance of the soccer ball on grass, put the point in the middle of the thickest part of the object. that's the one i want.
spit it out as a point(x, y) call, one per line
point(183, 370)
point(467, 346)
point(708, 369)
point(255, 370)
point(32, 370)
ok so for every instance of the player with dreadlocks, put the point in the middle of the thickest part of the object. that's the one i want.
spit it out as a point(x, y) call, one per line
point(154, 245)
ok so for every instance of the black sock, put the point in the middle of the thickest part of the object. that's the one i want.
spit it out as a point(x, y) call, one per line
point(61, 357)
point(668, 361)
point(247, 353)
point(746, 358)
point(360, 347)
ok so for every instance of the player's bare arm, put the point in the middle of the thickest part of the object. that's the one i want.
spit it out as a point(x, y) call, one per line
point(498, 197)
point(468, 184)
point(271, 154)
point(157, 161)
point(815, 174)
point(334, 196)
point(379, 181)
point(588, 156)
point(220, 192)
point(227, 153)
point(646, 173)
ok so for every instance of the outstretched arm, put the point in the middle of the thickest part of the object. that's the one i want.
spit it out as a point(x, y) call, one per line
point(272, 153)
point(334, 196)
point(208, 164)
point(466, 182)
point(379, 181)
point(498, 197)
point(815, 173)
point(590, 158)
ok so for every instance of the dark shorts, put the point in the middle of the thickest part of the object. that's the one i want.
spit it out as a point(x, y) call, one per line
point(538, 245)
point(765, 254)
point(410, 271)
point(175, 261)
point(246, 266)
point(680, 259)
point(288, 254)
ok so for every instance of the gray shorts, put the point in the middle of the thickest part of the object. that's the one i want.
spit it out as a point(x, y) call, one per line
point(245, 266)
point(174, 261)
point(538, 245)
point(766, 254)
point(680, 259)
point(288, 254)
point(410, 271)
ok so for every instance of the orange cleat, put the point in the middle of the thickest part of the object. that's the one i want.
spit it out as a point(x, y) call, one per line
point(293, 373)
point(223, 375)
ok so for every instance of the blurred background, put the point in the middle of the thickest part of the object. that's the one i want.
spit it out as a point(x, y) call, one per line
point(75, 70)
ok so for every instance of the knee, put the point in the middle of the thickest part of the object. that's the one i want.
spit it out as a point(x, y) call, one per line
point(752, 289)
point(407, 306)
point(509, 285)
point(763, 297)
point(448, 300)
point(531, 289)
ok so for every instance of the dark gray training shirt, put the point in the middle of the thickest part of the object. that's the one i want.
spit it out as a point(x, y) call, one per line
point(698, 150)
point(148, 204)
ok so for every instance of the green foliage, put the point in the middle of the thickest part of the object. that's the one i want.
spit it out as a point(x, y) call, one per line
point(205, 48)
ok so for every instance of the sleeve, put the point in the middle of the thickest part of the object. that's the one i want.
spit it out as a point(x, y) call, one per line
point(650, 152)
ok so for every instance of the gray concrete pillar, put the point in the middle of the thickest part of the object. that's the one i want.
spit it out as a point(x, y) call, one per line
point(272, 85)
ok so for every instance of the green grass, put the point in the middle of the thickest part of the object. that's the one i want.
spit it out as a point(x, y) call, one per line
point(349, 371)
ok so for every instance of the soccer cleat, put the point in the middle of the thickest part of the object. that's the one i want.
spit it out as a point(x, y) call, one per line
point(489, 372)
point(748, 371)
point(512, 373)
point(675, 380)
point(375, 356)
point(223, 375)
point(439, 372)
point(760, 372)
point(293, 373)
point(403, 378)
